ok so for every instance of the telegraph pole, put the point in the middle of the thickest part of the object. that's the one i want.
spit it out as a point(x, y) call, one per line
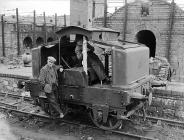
point(125, 21)
point(34, 28)
point(64, 20)
point(18, 33)
point(105, 25)
point(105, 13)
point(3, 44)
point(55, 21)
point(170, 29)
point(45, 30)
point(93, 9)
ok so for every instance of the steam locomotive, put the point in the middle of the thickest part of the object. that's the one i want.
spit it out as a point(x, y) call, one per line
point(126, 65)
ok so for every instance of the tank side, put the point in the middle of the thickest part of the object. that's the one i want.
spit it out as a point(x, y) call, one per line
point(130, 65)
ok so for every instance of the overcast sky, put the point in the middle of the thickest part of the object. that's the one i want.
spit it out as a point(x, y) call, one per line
point(50, 7)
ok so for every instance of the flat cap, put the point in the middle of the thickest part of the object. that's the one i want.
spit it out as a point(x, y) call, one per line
point(51, 59)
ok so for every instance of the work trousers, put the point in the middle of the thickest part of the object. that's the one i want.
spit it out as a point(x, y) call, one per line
point(53, 100)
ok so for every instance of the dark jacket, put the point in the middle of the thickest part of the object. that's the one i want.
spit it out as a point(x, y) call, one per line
point(95, 63)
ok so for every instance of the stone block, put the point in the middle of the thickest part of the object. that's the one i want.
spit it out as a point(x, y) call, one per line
point(15, 89)
point(5, 83)
point(151, 110)
point(179, 104)
point(179, 114)
point(156, 102)
point(159, 111)
point(168, 103)
point(15, 85)
point(177, 94)
point(1, 86)
point(169, 113)
point(10, 88)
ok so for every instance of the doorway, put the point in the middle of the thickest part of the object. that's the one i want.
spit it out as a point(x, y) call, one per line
point(147, 38)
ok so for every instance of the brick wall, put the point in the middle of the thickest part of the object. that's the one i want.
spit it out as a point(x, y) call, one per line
point(10, 37)
point(157, 21)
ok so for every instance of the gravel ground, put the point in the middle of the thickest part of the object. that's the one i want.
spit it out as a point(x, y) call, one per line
point(23, 128)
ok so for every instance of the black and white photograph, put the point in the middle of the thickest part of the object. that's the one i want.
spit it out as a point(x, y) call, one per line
point(91, 70)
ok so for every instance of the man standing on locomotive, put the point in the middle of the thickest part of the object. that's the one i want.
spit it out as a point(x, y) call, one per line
point(92, 62)
point(49, 78)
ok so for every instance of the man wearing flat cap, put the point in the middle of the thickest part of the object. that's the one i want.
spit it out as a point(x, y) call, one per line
point(49, 78)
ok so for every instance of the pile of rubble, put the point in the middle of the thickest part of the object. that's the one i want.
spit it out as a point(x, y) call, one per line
point(14, 61)
point(11, 60)
point(160, 70)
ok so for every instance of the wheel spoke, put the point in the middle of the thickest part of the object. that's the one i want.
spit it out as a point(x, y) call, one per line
point(144, 113)
point(112, 122)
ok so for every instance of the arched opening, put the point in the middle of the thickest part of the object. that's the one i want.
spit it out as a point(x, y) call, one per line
point(39, 41)
point(27, 43)
point(148, 38)
point(50, 39)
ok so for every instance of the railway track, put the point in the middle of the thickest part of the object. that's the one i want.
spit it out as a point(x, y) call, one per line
point(169, 97)
point(169, 122)
point(118, 132)
point(21, 104)
point(172, 95)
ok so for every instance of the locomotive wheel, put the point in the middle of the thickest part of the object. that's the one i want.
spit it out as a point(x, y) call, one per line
point(112, 122)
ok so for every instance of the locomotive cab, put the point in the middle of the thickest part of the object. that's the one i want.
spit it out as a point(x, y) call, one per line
point(126, 65)
point(64, 52)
